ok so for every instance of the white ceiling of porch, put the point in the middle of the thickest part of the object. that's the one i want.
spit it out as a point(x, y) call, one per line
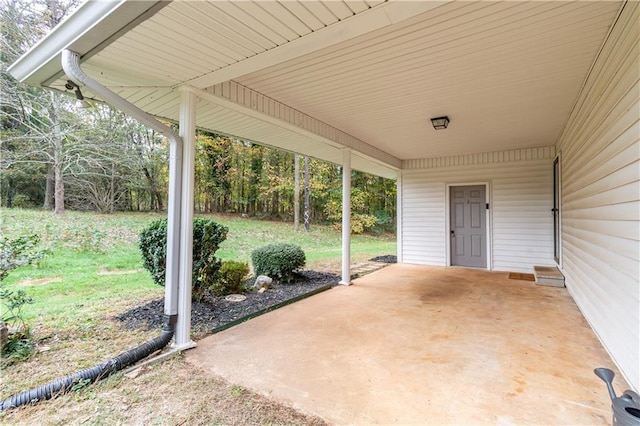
point(506, 73)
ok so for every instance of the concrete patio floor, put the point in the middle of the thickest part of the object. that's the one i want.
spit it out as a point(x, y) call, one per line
point(423, 345)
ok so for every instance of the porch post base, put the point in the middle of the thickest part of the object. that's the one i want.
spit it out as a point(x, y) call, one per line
point(184, 346)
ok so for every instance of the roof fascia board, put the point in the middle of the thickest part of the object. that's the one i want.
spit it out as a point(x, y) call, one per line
point(89, 26)
point(380, 16)
point(263, 109)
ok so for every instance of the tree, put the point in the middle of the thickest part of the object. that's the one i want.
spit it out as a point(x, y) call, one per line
point(34, 129)
point(217, 152)
point(307, 219)
point(296, 193)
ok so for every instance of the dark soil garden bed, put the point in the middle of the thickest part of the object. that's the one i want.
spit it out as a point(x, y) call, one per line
point(387, 258)
point(217, 311)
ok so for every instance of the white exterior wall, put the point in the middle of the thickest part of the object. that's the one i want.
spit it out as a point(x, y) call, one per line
point(520, 195)
point(600, 196)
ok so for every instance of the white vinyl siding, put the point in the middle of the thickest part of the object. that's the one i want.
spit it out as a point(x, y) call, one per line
point(423, 219)
point(600, 196)
point(520, 197)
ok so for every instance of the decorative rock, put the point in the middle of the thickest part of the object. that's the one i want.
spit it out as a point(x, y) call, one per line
point(263, 281)
point(235, 298)
point(262, 290)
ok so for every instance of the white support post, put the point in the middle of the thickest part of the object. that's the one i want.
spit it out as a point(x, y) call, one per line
point(188, 134)
point(399, 216)
point(346, 217)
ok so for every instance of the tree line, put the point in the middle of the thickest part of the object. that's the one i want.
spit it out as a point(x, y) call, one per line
point(59, 155)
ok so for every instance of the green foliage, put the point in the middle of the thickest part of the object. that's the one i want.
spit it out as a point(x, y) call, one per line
point(22, 201)
point(19, 252)
point(207, 236)
point(12, 302)
point(232, 275)
point(18, 347)
point(360, 222)
point(80, 384)
point(153, 245)
point(278, 261)
point(14, 253)
point(19, 344)
point(84, 239)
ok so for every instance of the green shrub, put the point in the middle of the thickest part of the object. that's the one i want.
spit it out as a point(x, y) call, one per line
point(21, 251)
point(231, 279)
point(17, 344)
point(21, 201)
point(207, 236)
point(84, 239)
point(18, 347)
point(278, 261)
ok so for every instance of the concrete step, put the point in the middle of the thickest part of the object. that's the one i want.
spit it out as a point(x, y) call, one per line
point(548, 275)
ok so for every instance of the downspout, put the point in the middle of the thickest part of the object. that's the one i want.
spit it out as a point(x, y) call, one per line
point(70, 64)
point(71, 67)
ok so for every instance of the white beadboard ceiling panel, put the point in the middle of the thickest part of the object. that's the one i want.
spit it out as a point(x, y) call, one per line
point(188, 39)
point(506, 73)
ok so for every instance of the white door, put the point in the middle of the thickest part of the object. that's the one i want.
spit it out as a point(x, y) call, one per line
point(468, 226)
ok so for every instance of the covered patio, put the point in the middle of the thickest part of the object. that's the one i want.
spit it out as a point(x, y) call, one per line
point(539, 166)
point(420, 344)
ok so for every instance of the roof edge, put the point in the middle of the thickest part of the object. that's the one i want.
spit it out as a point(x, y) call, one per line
point(94, 22)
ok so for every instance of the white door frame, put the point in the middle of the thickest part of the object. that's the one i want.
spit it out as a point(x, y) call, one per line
point(558, 187)
point(488, 219)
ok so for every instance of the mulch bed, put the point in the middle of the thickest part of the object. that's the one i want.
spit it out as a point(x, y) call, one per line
point(387, 258)
point(216, 311)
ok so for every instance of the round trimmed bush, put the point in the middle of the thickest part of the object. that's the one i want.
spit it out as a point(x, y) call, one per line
point(207, 236)
point(278, 261)
point(232, 275)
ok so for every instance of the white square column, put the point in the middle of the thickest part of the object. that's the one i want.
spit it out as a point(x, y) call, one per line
point(400, 246)
point(346, 217)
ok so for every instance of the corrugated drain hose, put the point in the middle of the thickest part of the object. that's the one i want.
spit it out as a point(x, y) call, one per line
point(92, 374)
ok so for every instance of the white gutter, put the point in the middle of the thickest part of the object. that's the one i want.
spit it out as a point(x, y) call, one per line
point(45, 52)
point(89, 28)
point(71, 67)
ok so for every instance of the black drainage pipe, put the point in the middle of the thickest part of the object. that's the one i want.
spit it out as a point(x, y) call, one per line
point(92, 374)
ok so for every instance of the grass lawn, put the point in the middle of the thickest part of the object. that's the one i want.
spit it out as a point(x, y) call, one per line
point(95, 272)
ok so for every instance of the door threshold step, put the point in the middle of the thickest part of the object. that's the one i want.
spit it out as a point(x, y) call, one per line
point(548, 275)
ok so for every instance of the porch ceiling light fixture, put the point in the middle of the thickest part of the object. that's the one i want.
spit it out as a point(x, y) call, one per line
point(440, 123)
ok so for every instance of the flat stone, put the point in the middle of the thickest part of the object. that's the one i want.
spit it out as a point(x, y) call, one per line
point(235, 298)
